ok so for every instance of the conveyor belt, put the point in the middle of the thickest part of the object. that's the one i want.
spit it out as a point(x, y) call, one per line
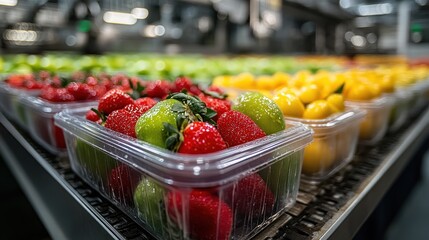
point(335, 209)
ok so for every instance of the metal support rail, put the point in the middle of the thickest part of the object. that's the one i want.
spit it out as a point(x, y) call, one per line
point(335, 209)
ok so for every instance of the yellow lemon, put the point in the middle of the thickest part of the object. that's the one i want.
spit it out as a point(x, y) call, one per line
point(281, 78)
point(308, 93)
point(222, 81)
point(289, 104)
point(336, 102)
point(318, 109)
point(318, 157)
point(265, 82)
point(358, 92)
point(244, 81)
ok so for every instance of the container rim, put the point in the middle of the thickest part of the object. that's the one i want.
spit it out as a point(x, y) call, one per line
point(52, 107)
point(332, 122)
point(169, 167)
point(380, 102)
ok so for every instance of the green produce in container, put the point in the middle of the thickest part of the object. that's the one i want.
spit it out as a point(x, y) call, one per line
point(150, 127)
point(262, 110)
point(149, 200)
point(96, 163)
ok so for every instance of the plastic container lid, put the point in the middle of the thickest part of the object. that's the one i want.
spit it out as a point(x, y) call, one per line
point(48, 107)
point(205, 170)
point(17, 91)
point(333, 123)
point(376, 103)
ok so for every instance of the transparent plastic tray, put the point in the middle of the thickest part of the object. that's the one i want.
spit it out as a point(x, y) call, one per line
point(10, 105)
point(374, 125)
point(400, 111)
point(333, 146)
point(39, 115)
point(419, 99)
point(244, 187)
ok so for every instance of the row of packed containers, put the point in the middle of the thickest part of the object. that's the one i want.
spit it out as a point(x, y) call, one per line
point(231, 193)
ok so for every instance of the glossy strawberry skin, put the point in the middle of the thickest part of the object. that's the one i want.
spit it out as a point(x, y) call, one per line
point(200, 138)
point(135, 109)
point(56, 94)
point(146, 101)
point(81, 91)
point(123, 122)
point(209, 217)
point(184, 83)
point(250, 196)
point(236, 128)
point(92, 116)
point(220, 106)
point(157, 89)
point(113, 100)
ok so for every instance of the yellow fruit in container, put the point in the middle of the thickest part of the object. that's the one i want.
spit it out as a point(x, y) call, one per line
point(244, 81)
point(222, 81)
point(358, 92)
point(265, 82)
point(301, 78)
point(281, 79)
point(336, 102)
point(318, 157)
point(287, 90)
point(318, 109)
point(266, 93)
point(308, 93)
point(289, 104)
point(386, 83)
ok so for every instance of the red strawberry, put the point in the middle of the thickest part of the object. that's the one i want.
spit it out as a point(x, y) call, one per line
point(81, 91)
point(250, 196)
point(215, 89)
point(218, 105)
point(201, 137)
point(135, 109)
point(113, 100)
point(237, 128)
point(56, 95)
point(208, 217)
point(123, 122)
point(122, 182)
point(91, 81)
point(146, 101)
point(33, 84)
point(58, 135)
point(184, 83)
point(92, 116)
point(157, 89)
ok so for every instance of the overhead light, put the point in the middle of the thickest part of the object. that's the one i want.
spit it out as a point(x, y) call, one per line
point(10, 3)
point(358, 41)
point(345, 3)
point(154, 31)
point(119, 18)
point(375, 9)
point(140, 13)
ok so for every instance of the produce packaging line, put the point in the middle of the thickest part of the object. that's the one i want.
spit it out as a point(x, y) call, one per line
point(335, 209)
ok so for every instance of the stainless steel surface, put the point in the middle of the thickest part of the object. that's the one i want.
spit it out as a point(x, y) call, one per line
point(65, 214)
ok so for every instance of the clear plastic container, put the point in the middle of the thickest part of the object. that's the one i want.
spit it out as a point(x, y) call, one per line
point(374, 125)
point(231, 194)
point(39, 115)
point(400, 111)
point(10, 104)
point(333, 146)
point(419, 100)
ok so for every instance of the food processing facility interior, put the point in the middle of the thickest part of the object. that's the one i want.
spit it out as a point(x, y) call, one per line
point(214, 119)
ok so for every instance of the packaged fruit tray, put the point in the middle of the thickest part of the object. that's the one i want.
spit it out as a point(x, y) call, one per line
point(400, 111)
point(229, 194)
point(334, 144)
point(10, 105)
point(39, 115)
point(419, 98)
point(375, 123)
